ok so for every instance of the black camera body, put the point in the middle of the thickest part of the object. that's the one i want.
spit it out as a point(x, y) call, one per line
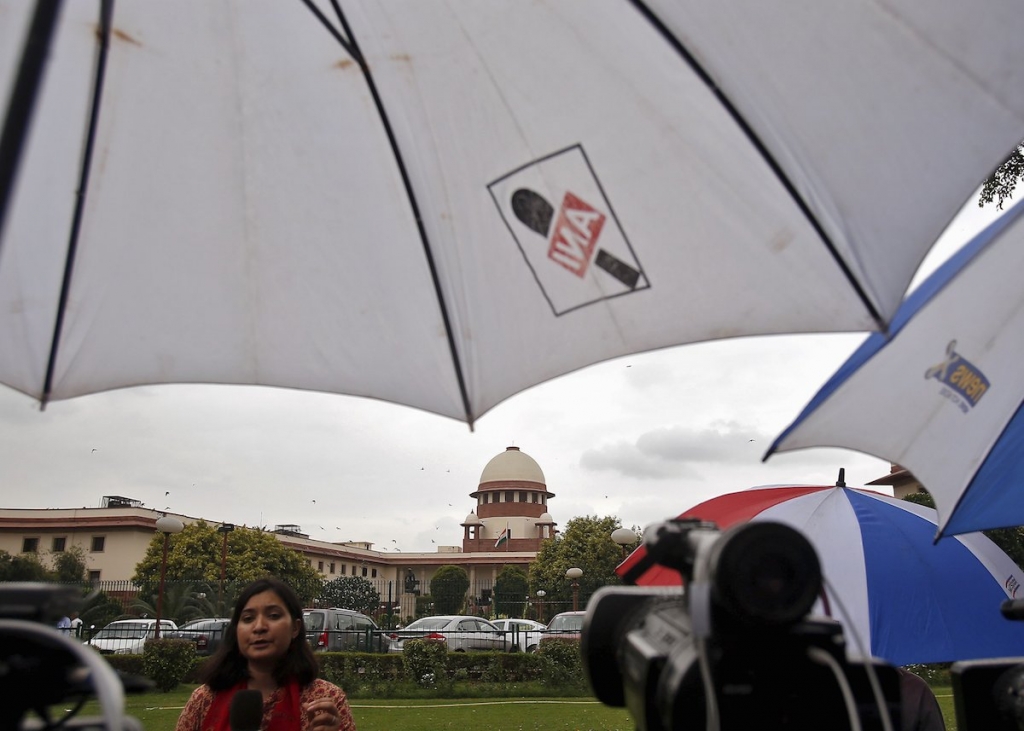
point(41, 667)
point(737, 644)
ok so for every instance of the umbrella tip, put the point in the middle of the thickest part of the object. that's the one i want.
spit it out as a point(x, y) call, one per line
point(841, 482)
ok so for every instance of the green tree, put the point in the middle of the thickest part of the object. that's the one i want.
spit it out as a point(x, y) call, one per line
point(350, 592)
point(1004, 179)
point(448, 589)
point(23, 567)
point(586, 544)
point(70, 565)
point(511, 589)
point(1011, 540)
point(194, 556)
point(181, 603)
point(99, 610)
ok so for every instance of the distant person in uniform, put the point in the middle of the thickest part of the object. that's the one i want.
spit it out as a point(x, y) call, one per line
point(76, 625)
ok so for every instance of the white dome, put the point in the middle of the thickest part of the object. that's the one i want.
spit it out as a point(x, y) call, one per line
point(471, 519)
point(512, 465)
point(545, 518)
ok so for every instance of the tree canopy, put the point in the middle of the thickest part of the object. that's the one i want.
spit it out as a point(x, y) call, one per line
point(586, 544)
point(511, 590)
point(998, 187)
point(448, 589)
point(350, 592)
point(194, 555)
point(23, 567)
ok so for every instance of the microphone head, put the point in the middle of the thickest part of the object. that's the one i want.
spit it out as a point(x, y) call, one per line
point(246, 713)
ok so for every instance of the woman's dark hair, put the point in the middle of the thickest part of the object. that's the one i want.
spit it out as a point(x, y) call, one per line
point(226, 668)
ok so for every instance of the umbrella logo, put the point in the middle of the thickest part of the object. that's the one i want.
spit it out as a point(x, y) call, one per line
point(1011, 585)
point(578, 253)
point(966, 383)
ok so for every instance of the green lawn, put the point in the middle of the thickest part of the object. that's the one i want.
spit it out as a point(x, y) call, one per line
point(159, 712)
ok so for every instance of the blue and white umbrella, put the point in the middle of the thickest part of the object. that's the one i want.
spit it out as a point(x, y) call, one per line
point(941, 394)
point(907, 599)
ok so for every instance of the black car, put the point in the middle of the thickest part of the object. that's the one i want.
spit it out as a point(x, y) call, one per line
point(207, 634)
point(340, 630)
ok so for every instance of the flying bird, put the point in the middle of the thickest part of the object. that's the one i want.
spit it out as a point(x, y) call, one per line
point(167, 493)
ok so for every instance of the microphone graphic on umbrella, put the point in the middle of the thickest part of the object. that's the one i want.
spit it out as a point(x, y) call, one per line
point(536, 213)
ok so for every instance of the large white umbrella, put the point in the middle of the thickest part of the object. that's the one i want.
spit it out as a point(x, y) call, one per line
point(441, 203)
point(941, 395)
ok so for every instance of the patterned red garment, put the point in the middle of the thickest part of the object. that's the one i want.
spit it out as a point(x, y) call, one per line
point(193, 716)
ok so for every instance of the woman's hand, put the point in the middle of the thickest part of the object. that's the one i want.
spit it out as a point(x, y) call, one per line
point(323, 715)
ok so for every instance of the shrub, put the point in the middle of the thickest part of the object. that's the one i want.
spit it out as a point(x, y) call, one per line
point(166, 662)
point(426, 662)
point(562, 663)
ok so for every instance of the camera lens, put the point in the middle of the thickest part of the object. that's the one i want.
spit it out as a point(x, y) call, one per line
point(765, 574)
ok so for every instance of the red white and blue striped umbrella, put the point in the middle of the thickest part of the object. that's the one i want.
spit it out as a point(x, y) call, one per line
point(909, 599)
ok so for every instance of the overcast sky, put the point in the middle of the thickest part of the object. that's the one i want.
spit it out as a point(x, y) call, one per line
point(642, 438)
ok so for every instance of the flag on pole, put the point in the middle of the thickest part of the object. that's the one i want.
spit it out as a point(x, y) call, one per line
point(503, 538)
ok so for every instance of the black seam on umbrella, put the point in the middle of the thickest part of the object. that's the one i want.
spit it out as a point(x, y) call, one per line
point(23, 97)
point(769, 159)
point(352, 46)
point(106, 14)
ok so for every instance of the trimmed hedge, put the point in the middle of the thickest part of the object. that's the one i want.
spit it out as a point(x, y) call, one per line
point(424, 669)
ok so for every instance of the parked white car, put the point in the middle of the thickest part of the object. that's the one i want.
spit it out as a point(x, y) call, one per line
point(524, 633)
point(128, 636)
point(460, 632)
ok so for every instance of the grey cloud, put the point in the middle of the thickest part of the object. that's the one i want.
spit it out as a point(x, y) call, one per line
point(630, 461)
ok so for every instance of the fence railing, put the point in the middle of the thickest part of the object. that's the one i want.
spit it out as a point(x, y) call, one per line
point(184, 601)
point(114, 640)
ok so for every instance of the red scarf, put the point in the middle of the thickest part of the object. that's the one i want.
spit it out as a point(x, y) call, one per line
point(284, 715)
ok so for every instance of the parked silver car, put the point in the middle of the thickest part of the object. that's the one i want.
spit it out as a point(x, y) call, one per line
point(207, 634)
point(523, 634)
point(462, 633)
point(341, 630)
point(128, 636)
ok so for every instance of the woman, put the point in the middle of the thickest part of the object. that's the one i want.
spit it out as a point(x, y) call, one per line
point(265, 649)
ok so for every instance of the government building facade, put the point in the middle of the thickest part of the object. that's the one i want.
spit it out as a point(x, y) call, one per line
point(508, 522)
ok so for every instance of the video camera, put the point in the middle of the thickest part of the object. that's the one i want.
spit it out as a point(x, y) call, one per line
point(41, 667)
point(989, 694)
point(736, 648)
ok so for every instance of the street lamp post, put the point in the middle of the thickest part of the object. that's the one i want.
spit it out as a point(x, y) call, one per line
point(540, 605)
point(165, 525)
point(624, 537)
point(574, 575)
point(225, 528)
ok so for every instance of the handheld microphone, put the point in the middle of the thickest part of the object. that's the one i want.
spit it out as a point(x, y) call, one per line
point(246, 713)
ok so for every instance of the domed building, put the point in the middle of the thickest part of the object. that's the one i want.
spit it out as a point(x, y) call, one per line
point(511, 506)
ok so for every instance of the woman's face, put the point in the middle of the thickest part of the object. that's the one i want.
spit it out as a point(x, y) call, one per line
point(265, 629)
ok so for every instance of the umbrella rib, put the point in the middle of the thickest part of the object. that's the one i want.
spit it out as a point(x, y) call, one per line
point(106, 15)
point(23, 97)
point(349, 46)
point(352, 46)
point(769, 159)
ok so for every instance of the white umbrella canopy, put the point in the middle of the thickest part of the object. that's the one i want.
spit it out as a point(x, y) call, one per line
point(942, 393)
point(440, 204)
